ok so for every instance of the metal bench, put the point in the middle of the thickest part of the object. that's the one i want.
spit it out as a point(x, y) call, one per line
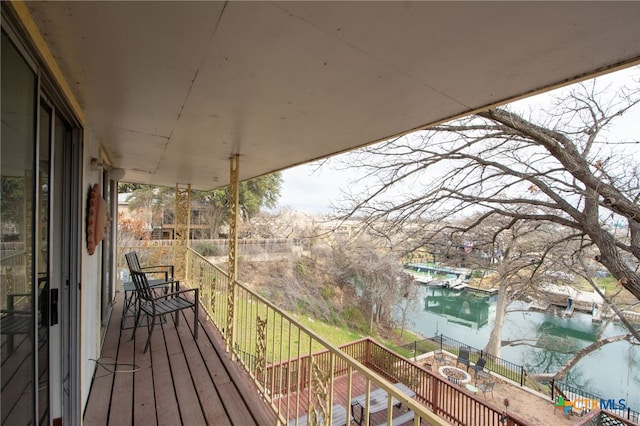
point(338, 418)
point(397, 421)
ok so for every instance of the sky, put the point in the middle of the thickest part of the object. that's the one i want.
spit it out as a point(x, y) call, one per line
point(312, 189)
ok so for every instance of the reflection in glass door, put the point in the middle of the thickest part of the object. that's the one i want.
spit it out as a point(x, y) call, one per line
point(42, 240)
point(40, 244)
point(18, 297)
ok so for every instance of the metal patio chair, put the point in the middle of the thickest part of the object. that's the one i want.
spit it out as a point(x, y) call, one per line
point(155, 305)
point(485, 387)
point(440, 357)
point(463, 357)
point(163, 280)
point(479, 366)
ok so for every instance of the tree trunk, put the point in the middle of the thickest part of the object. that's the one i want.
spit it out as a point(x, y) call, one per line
point(494, 345)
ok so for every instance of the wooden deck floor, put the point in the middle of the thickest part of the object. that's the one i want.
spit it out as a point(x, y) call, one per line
point(358, 388)
point(178, 381)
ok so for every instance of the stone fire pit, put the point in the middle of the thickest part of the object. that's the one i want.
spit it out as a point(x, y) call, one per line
point(454, 372)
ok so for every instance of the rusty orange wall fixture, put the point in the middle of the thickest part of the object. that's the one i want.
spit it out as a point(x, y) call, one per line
point(97, 219)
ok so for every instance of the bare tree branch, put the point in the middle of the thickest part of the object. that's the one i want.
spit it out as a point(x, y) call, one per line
point(560, 168)
point(562, 372)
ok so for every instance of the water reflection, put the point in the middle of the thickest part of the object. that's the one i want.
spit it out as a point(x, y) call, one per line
point(557, 327)
point(613, 371)
point(459, 307)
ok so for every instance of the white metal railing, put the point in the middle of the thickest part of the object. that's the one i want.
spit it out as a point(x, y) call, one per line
point(317, 376)
point(300, 374)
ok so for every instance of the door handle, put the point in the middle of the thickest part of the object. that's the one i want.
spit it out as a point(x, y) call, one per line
point(54, 306)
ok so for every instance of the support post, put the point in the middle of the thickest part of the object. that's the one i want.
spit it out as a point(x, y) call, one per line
point(232, 269)
point(181, 231)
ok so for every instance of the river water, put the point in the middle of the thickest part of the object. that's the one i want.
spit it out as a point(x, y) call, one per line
point(612, 372)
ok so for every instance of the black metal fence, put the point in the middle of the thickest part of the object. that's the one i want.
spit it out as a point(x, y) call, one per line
point(416, 347)
point(585, 401)
point(500, 366)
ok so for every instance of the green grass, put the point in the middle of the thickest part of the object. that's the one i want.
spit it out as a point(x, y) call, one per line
point(333, 334)
point(338, 336)
point(609, 284)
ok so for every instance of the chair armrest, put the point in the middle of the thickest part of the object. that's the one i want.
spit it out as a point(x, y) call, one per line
point(156, 285)
point(167, 270)
point(174, 293)
point(163, 269)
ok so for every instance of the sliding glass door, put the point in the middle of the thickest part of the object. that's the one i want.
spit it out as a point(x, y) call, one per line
point(18, 284)
point(39, 246)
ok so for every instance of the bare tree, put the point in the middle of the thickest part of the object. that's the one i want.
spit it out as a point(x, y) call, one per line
point(522, 257)
point(561, 166)
point(558, 170)
point(377, 276)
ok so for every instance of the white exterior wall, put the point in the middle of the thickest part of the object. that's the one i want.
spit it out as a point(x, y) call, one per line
point(90, 329)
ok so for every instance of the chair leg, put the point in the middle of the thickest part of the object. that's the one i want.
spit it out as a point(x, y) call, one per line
point(195, 314)
point(135, 327)
point(153, 323)
point(125, 307)
point(195, 322)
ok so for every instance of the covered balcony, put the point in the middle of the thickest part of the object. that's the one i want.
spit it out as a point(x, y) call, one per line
point(203, 95)
point(254, 364)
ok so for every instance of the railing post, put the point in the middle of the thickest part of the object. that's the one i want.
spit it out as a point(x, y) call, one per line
point(234, 208)
point(435, 407)
point(521, 376)
point(553, 390)
point(181, 231)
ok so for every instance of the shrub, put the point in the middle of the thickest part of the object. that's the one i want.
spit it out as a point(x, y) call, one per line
point(206, 249)
point(353, 316)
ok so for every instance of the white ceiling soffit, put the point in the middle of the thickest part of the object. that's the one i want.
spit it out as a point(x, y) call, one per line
point(172, 89)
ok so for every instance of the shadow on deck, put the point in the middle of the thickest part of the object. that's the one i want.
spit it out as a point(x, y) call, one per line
point(178, 381)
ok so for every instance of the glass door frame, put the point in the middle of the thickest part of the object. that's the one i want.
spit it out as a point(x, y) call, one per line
point(68, 238)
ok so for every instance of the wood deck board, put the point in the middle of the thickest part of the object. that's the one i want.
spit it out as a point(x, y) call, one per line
point(100, 395)
point(144, 404)
point(180, 380)
point(212, 407)
point(167, 411)
point(340, 398)
point(229, 390)
point(121, 409)
point(188, 403)
point(16, 387)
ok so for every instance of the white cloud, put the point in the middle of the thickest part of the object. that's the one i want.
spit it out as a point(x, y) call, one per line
point(311, 189)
